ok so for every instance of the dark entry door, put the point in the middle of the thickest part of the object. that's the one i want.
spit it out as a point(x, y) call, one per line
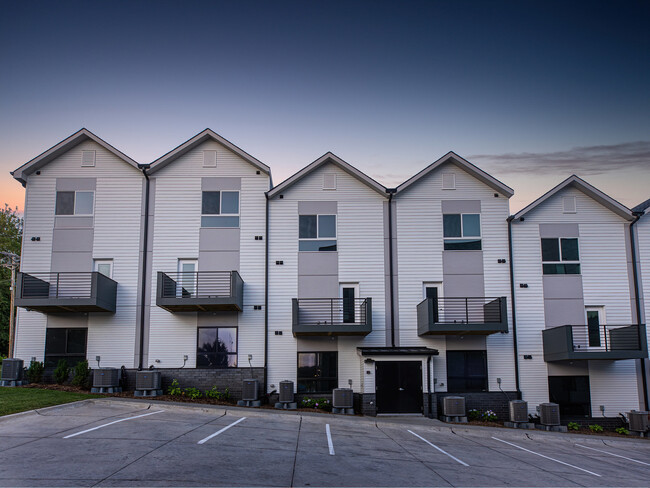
point(398, 385)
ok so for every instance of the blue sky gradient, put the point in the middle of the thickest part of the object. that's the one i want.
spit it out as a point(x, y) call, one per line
point(387, 86)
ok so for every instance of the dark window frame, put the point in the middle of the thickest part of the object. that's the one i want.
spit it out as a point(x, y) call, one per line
point(227, 354)
point(320, 243)
point(58, 211)
point(51, 359)
point(452, 380)
point(463, 242)
point(559, 389)
point(220, 213)
point(561, 266)
point(300, 381)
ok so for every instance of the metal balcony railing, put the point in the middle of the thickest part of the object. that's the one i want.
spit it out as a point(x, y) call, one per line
point(200, 290)
point(466, 315)
point(332, 316)
point(604, 341)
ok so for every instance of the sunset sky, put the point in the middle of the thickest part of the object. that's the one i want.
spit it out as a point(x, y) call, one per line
point(529, 91)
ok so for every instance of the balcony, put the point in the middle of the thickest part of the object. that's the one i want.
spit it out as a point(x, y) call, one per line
point(200, 291)
point(462, 316)
point(575, 342)
point(66, 292)
point(332, 316)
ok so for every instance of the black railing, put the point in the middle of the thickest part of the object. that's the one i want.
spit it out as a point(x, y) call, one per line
point(57, 285)
point(200, 284)
point(467, 310)
point(326, 312)
point(589, 338)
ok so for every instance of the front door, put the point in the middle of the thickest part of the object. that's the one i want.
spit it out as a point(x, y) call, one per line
point(398, 385)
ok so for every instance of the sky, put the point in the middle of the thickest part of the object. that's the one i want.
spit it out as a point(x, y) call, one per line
point(529, 91)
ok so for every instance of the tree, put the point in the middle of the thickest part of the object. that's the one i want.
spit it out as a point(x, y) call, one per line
point(11, 234)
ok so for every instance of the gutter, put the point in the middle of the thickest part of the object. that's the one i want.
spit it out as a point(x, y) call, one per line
point(512, 302)
point(144, 169)
point(637, 305)
point(391, 276)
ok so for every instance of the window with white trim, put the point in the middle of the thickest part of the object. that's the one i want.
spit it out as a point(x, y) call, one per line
point(560, 255)
point(75, 202)
point(462, 232)
point(220, 209)
point(104, 266)
point(317, 233)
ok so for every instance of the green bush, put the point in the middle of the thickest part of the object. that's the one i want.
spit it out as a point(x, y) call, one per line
point(81, 374)
point(573, 426)
point(174, 389)
point(61, 372)
point(193, 393)
point(317, 403)
point(218, 395)
point(35, 372)
point(596, 428)
point(473, 414)
point(622, 430)
point(489, 416)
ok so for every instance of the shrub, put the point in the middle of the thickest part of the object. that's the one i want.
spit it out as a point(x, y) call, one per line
point(473, 414)
point(622, 430)
point(193, 393)
point(174, 389)
point(218, 395)
point(317, 403)
point(35, 372)
point(81, 374)
point(489, 416)
point(61, 372)
point(573, 426)
point(596, 428)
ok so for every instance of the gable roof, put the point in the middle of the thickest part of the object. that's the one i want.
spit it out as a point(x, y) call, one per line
point(328, 157)
point(642, 207)
point(587, 189)
point(201, 137)
point(62, 147)
point(475, 171)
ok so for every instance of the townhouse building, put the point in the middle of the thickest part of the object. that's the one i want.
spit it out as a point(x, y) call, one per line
point(197, 266)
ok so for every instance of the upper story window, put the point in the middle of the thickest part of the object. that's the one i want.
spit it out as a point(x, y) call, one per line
point(462, 232)
point(317, 233)
point(74, 202)
point(220, 209)
point(560, 255)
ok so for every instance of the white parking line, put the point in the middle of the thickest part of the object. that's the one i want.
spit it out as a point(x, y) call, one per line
point(436, 447)
point(111, 423)
point(546, 457)
point(329, 439)
point(612, 454)
point(203, 441)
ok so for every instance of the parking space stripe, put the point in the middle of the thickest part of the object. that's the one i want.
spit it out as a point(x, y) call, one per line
point(329, 439)
point(111, 423)
point(546, 457)
point(612, 454)
point(203, 441)
point(442, 451)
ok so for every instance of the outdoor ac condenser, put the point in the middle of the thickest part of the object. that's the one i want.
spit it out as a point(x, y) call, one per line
point(549, 414)
point(249, 390)
point(148, 380)
point(286, 392)
point(12, 369)
point(518, 411)
point(342, 398)
point(453, 406)
point(105, 378)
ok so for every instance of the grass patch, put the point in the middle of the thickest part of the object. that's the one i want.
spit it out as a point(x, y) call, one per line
point(14, 400)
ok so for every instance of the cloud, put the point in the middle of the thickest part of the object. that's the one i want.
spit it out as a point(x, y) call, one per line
point(585, 161)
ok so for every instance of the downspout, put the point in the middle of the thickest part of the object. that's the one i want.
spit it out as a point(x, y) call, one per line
point(512, 303)
point(637, 305)
point(430, 412)
point(391, 277)
point(144, 169)
point(266, 297)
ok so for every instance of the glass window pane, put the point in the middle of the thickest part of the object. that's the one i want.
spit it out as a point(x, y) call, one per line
point(551, 268)
point(463, 245)
point(104, 268)
point(317, 246)
point(227, 341)
point(210, 203)
point(307, 225)
point(471, 225)
point(219, 221)
point(83, 204)
point(232, 360)
point(64, 203)
point(230, 202)
point(571, 268)
point(569, 249)
point(77, 341)
point(204, 360)
point(207, 340)
point(326, 226)
point(451, 225)
point(55, 341)
point(550, 250)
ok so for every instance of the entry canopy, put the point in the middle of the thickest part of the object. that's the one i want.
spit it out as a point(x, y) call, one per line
point(397, 351)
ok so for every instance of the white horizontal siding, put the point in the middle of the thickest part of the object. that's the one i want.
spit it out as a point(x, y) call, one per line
point(30, 335)
point(614, 385)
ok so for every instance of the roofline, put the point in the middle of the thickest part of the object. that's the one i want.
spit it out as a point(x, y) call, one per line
point(475, 170)
point(642, 207)
point(68, 143)
point(589, 190)
point(192, 142)
point(325, 158)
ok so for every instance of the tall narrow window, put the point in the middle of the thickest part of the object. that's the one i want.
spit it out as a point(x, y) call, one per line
point(317, 233)
point(349, 293)
point(560, 255)
point(187, 278)
point(431, 293)
point(220, 209)
point(462, 232)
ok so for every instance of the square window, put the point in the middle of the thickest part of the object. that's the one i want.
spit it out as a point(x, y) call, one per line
point(317, 372)
point(216, 347)
point(462, 232)
point(64, 203)
point(220, 209)
point(317, 232)
point(560, 255)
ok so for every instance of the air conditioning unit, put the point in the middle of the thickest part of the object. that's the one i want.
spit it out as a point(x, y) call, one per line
point(638, 421)
point(286, 392)
point(148, 380)
point(549, 414)
point(342, 398)
point(105, 378)
point(12, 369)
point(518, 411)
point(249, 390)
point(453, 406)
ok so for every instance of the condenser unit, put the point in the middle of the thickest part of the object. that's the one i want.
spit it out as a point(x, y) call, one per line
point(518, 411)
point(105, 378)
point(638, 421)
point(286, 392)
point(549, 414)
point(249, 390)
point(453, 406)
point(12, 369)
point(342, 398)
point(148, 380)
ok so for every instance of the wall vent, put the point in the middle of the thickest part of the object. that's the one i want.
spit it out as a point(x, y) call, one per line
point(88, 158)
point(342, 398)
point(329, 181)
point(449, 181)
point(518, 411)
point(210, 159)
point(12, 369)
point(569, 204)
point(453, 406)
point(549, 414)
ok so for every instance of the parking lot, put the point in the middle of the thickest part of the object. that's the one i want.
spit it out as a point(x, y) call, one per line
point(118, 443)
